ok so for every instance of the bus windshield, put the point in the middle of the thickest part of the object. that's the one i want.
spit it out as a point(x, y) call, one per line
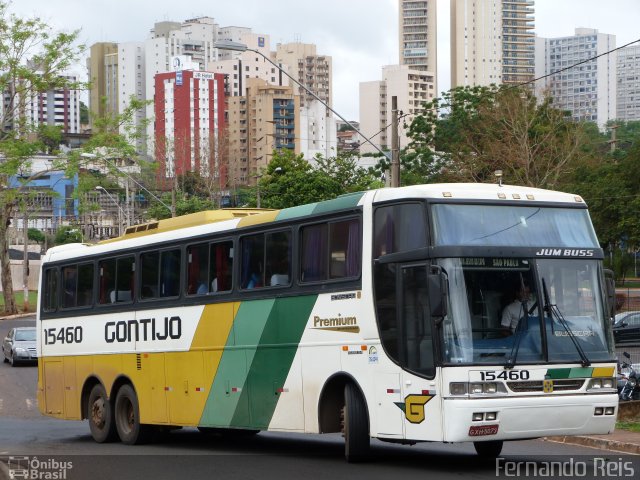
point(509, 225)
point(495, 307)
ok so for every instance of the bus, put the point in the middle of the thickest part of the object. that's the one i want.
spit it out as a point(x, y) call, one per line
point(381, 314)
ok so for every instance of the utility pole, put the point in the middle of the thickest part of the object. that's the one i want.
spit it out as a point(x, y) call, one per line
point(25, 261)
point(613, 140)
point(395, 143)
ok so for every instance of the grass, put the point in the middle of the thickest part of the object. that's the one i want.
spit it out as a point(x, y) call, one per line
point(631, 426)
point(33, 297)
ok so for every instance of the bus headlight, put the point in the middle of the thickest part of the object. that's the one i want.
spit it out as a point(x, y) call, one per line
point(475, 388)
point(480, 389)
point(601, 384)
point(457, 388)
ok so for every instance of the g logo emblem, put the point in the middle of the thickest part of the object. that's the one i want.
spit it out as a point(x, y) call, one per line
point(413, 407)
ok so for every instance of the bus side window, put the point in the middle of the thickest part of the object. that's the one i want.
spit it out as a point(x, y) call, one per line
point(50, 297)
point(252, 275)
point(107, 279)
point(85, 285)
point(69, 286)
point(197, 268)
point(278, 258)
point(149, 274)
point(345, 243)
point(125, 277)
point(314, 253)
point(221, 266)
point(170, 273)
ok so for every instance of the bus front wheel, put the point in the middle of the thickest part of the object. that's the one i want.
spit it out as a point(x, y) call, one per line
point(100, 415)
point(127, 417)
point(355, 425)
point(490, 449)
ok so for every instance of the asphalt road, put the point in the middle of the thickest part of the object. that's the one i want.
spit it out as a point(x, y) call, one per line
point(65, 448)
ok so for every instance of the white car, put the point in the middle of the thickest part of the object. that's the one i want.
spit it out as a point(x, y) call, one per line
point(20, 345)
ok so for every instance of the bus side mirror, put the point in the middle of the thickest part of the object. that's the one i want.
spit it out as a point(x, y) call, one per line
point(438, 293)
point(610, 286)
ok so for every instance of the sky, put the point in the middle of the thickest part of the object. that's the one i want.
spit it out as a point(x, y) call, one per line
point(360, 35)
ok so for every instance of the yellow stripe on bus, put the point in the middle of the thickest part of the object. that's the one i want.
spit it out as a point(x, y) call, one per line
point(603, 372)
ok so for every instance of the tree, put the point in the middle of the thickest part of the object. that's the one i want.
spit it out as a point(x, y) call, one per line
point(485, 129)
point(50, 137)
point(33, 59)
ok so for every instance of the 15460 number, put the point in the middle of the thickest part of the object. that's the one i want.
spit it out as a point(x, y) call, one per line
point(62, 335)
point(490, 375)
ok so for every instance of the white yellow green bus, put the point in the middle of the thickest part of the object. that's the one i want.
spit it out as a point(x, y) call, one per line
point(378, 314)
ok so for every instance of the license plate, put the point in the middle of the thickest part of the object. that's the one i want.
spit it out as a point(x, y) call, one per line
point(481, 430)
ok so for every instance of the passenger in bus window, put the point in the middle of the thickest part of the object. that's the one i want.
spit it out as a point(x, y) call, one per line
point(513, 312)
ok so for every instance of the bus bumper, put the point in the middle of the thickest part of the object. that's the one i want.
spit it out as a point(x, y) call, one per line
point(518, 418)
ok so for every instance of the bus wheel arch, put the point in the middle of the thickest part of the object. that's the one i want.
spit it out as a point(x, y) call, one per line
point(331, 402)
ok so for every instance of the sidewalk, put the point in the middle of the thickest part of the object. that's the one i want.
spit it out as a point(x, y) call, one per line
point(622, 441)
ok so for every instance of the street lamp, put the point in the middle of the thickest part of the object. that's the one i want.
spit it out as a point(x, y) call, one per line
point(241, 47)
point(120, 211)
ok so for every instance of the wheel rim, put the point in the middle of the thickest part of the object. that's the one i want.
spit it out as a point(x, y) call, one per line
point(97, 413)
point(126, 417)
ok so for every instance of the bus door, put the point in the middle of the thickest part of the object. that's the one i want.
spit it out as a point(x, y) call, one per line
point(422, 402)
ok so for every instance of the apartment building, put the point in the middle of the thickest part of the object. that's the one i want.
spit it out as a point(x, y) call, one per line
point(267, 118)
point(417, 34)
point(412, 87)
point(189, 124)
point(308, 68)
point(492, 42)
point(587, 90)
point(628, 84)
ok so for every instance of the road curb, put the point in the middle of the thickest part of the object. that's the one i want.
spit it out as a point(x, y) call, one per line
point(595, 442)
point(19, 315)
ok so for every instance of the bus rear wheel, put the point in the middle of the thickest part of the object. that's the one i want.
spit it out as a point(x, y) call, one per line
point(127, 417)
point(490, 449)
point(100, 415)
point(355, 425)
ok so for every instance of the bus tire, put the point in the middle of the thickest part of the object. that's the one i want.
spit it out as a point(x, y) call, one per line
point(490, 449)
point(356, 426)
point(100, 415)
point(127, 417)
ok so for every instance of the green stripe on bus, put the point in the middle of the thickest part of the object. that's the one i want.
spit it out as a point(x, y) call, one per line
point(556, 373)
point(577, 372)
point(294, 212)
point(342, 202)
point(227, 396)
point(273, 359)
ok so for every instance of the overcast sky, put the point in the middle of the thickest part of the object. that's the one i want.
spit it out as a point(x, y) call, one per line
point(360, 35)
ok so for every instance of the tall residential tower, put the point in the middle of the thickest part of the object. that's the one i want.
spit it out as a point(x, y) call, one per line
point(417, 41)
point(492, 41)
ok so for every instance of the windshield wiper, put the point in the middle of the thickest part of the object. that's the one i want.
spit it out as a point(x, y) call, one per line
point(554, 312)
point(523, 324)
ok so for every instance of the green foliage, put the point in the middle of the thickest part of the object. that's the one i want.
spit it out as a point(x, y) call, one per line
point(35, 235)
point(68, 234)
point(84, 114)
point(51, 137)
point(290, 180)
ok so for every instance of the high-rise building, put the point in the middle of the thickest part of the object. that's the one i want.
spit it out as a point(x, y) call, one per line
point(417, 28)
point(412, 87)
point(628, 88)
point(117, 73)
point(102, 67)
point(189, 124)
point(267, 118)
point(492, 41)
point(308, 68)
point(240, 66)
point(318, 131)
point(54, 107)
point(587, 90)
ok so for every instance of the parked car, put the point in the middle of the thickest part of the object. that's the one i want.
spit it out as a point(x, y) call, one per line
point(626, 327)
point(20, 345)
